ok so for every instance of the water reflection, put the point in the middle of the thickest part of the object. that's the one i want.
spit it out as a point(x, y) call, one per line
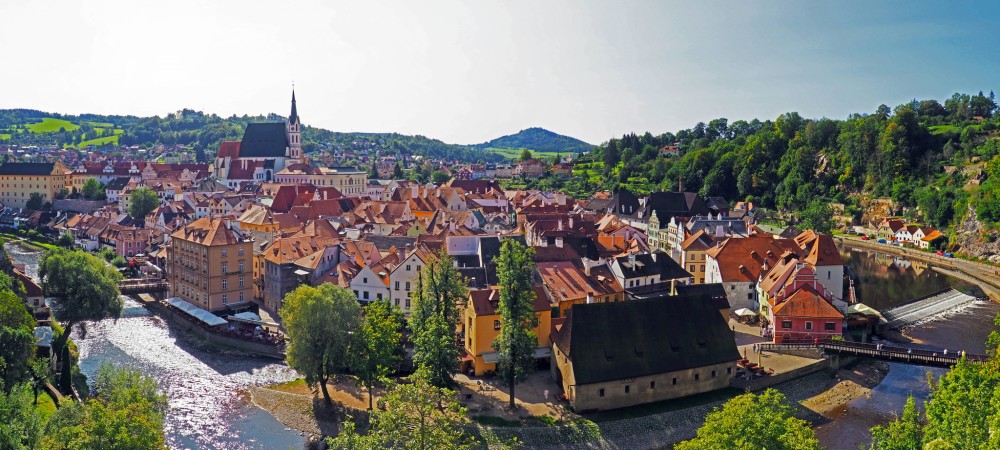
point(885, 280)
point(205, 388)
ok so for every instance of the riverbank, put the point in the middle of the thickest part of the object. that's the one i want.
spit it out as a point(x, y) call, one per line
point(819, 397)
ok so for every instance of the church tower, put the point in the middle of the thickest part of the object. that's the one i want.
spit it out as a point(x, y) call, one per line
point(294, 135)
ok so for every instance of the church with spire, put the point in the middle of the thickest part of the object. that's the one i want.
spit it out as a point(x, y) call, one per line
point(266, 149)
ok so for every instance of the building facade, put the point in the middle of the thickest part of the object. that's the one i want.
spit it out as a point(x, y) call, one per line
point(19, 180)
point(208, 264)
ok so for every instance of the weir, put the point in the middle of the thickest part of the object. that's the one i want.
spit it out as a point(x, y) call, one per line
point(925, 307)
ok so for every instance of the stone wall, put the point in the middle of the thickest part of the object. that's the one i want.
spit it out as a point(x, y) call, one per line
point(78, 206)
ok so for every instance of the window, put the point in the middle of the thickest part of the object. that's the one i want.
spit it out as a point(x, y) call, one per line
point(407, 267)
point(652, 385)
point(366, 295)
point(750, 296)
point(786, 324)
point(691, 268)
point(241, 281)
point(496, 324)
point(241, 266)
point(713, 374)
point(696, 376)
point(627, 388)
point(809, 325)
point(225, 268)
point(830, 326)
point(600, 392)
point(729, 370)
point(364, 280)
point(240, 251)
point(378, 296)
point(732, 287)
point(355, 293)
point(241, 297)
point(225, 284)
point(224, 252)
point(397, 286)
point(397, 303)
point(407, 286)
point(828, 275)
point(407, 303)
point(225, 299)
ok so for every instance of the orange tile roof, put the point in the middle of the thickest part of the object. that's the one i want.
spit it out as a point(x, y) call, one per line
point(806, 302)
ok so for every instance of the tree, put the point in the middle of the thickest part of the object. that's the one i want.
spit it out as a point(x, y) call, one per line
point(321, 323)
point(397, 171)
point(373, 173)
point(17, 341)
point(35, 201)
point(440, 291)
point(817, 216)
point(91, 189)
point(65, 240)
point(377, 348)
point(126, 413)
point(439, 176)
point(142, 201)
point(417, 416)
point(516, 343)
point(525, 154)
point(89, 291)
point(753, 421)
point(20, 424)
point(904, 433)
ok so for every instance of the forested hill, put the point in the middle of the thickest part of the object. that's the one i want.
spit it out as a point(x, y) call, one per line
point(203, 132)
point(539, 140)
point(934, 159)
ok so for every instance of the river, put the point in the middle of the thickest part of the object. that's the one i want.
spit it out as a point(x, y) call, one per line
point(206, 389)
point(886, 281)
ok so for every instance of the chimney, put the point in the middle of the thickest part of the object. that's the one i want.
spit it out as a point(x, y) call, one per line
point(560, 228)
point(680, 184)
point(673, 288)
point(590, 298)
point(559, 241)
point(571, 222)
point(401, 251)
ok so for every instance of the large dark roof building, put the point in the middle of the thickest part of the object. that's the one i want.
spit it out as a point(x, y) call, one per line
point(611, 355)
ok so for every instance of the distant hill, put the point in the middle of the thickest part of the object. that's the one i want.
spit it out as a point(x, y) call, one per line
point(538, 140)
point(203, 132)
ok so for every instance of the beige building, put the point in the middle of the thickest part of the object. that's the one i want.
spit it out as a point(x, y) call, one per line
point(348, 180)
point(613, 355)
point(209, 264)
point(19, 180)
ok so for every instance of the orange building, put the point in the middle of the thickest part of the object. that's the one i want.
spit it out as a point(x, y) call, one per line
point(481, 325)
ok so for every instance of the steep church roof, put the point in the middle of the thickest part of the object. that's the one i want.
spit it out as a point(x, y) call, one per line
point(294, 116)
point(264, 140)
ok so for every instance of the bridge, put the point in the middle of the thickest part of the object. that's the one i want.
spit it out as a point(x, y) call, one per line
point(904, 355)
point(130, 286)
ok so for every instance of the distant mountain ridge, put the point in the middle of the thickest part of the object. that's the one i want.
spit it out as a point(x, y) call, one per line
point(540, 140)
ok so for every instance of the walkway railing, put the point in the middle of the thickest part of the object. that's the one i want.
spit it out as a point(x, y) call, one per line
point(877, 351)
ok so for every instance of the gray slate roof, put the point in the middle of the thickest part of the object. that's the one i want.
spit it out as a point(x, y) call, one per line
point(264, 140)
point(614, 341)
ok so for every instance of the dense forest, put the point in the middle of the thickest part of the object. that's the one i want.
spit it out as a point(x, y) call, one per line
point(539, 139)
point(933, 159)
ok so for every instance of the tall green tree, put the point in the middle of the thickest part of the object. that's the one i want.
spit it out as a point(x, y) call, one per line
point(127, 413)
point(753, 421)
point(525, 154)
point(904, 433)
point(142, 201)
point(21, 425)
point(441, 290)
point(417, 416)
point(89, 292)
point(397, 171)
point(35, 201)
point(92, 189)
point(516, 343)
point(377, 349)
point(321, 324)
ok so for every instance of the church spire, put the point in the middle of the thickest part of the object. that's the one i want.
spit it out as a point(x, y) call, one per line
point(294, 116)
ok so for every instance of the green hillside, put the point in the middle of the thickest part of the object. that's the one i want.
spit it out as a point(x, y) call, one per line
point(538, 140)
point(50, 125)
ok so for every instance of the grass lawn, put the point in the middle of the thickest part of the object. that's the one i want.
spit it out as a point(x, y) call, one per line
point(944, 129)
point(48, 125)
point(46, 407)
point(514, 153)
point(291, 386)
point(100, 124)
point(4, 137)
point(100, 141)
point(7, 237)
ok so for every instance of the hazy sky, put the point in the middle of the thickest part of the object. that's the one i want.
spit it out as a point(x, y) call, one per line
point(466, 72)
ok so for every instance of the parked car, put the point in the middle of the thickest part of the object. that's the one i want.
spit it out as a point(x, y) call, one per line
point(881, 241)
point(864, 238)
point(939, 253)
point(948, 255)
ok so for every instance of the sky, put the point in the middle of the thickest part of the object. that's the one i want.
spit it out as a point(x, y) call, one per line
point(466, 72)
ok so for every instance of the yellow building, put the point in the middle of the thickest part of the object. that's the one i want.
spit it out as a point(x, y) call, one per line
point(209, 264)
point(258, 218)
point(481, 326)
point(19, 180)
point(348, 180)
point(693, 257)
